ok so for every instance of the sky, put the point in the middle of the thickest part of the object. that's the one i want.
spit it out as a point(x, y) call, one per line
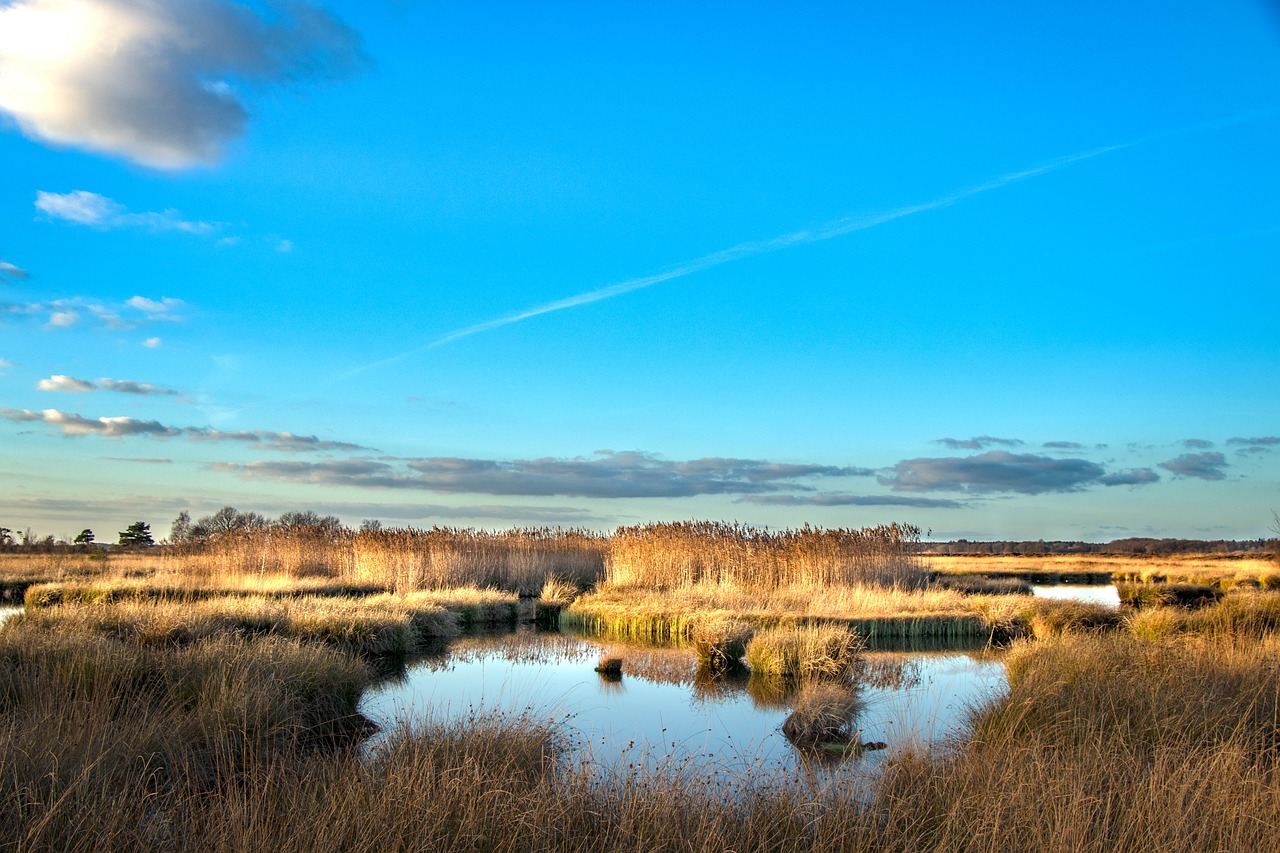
point(996, 269)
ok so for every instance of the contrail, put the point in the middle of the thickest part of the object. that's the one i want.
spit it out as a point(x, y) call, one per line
point(835, 228)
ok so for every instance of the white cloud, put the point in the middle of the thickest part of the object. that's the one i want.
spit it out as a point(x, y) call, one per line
point(123, 316)
point(5, 365)
point(156, 82)
point(60, 382)
point(12, 272)
point(153, 307)
point(97, 211)
point(73, 424)
point(284, 247)
point(151, 343)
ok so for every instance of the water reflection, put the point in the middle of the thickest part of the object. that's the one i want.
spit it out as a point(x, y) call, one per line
point(662, 710)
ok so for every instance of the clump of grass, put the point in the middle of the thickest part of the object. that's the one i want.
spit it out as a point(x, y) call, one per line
point(804, 651)
point(720, 644)
point(824, 715)
point(557, 590)
point(982, 585)
point(610, 667)
point(1137, 595)
point(1049, 618)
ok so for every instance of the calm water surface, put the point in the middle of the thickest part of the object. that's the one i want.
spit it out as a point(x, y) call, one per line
point(1102, 594)
point(660, 710)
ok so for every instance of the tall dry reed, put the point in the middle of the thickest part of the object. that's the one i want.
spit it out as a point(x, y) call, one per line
point(736, 556)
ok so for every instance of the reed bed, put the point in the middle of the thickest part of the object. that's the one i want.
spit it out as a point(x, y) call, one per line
point(734, 556)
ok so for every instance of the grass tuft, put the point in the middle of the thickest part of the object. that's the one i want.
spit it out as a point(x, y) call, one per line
point(804, 651)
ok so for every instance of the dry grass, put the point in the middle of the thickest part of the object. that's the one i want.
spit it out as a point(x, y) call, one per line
point(877, 613)
point(734, 556)
point(1222, 570)
point(720, 644)
point(382, 625)
point(804, 651)
point(1104, 742)
point(824, 715)
point(1242, 613)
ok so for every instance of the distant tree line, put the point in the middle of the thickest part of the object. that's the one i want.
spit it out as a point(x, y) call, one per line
point(1132, 546)
point(229, 521)
point(183, 533)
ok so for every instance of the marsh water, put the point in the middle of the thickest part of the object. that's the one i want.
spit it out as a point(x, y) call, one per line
point(1105, 594)
point(661, 712)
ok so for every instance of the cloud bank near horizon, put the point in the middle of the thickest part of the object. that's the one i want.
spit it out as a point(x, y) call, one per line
point(605, 474)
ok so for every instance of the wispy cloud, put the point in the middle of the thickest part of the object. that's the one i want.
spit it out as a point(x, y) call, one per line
point(1254, 446)
point(1062, 445)
point(82, 207)
point(830, 230)
point(68, 312)
point(605, 474)
point(1201, 466)
point(72, 424)
point(843, 499)
point(12, 272)
point(1132, 477)
point(978, 442)
point(156, 82)
point(1197, 443)
point(63, 383)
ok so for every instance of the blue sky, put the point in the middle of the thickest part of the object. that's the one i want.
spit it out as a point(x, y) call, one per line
point(996, 270)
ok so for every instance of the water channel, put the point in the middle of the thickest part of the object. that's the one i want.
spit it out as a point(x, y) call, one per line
point(661, 712)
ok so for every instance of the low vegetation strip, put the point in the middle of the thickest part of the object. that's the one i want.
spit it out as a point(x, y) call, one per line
point(377, 626)
point(131, 589)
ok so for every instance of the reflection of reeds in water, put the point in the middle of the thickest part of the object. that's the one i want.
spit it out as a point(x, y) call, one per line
point(889, 672)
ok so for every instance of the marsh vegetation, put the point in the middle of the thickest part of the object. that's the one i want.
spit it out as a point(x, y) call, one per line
point(208, 696)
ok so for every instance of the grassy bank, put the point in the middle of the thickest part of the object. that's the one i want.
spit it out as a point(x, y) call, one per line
point(1224, 571)
point(879, 614)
